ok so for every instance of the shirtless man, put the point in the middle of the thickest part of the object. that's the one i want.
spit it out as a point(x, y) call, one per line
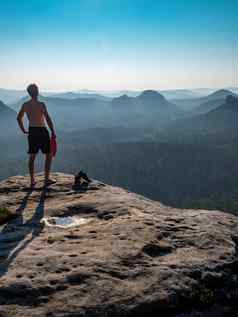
point(38, 135)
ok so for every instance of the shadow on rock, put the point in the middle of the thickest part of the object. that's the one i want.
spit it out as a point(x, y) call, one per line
point(17, 234)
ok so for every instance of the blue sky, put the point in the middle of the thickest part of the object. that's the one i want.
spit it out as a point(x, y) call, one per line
point(118, 44)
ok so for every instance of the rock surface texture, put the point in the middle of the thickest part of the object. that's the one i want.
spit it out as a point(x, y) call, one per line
point(128, 256)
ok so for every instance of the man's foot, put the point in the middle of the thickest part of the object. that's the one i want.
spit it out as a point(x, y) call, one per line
point(49, 182)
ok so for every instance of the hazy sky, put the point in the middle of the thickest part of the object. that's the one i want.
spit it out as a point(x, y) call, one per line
point(117, 44)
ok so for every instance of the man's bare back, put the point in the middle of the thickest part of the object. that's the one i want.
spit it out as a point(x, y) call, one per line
point(37, 115)
point(36, 112)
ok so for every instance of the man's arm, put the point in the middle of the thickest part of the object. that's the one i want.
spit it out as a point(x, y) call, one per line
point(48, 120)
point(20, 119)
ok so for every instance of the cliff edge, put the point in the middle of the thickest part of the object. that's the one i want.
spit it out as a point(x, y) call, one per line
point(104, 251)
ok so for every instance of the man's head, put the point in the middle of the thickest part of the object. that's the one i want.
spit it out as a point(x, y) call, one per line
point(33, 90)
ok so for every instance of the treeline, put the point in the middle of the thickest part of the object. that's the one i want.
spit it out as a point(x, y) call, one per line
point(181, 175)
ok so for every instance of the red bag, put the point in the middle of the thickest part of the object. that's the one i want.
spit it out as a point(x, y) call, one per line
point(53, 145)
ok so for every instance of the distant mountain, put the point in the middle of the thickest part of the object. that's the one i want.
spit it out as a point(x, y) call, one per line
point(219, 94)
point(214, 101)
point(233, 89)
point(151, 99)
point(168, 94)
point(149, 109)
point(110, 93)
point(8, 124)
point(75, 95)
point(204, 91)
point(148, 99)
point(74, 114)
point(217, 122)
point(227, 113)
point(118, 93)
point(9, 96)
point(191, 104)
point(154, 102)
point(179, 94)
point(5, 111)
point(123, 101)
point(152, 96)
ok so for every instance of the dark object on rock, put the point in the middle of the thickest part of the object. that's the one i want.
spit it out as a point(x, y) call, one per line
point(81, 180)
point(84, 176)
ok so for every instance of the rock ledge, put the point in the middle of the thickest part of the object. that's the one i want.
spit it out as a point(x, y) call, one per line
point(130, 256)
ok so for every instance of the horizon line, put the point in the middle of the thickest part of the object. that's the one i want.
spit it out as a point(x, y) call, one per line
point(118, 90)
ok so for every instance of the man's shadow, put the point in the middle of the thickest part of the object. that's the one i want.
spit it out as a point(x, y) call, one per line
point(13, 237)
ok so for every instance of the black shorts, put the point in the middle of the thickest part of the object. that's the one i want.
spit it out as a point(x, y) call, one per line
point(38, 139)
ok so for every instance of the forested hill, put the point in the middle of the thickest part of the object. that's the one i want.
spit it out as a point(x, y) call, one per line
point(220, 121)
point(200, 104)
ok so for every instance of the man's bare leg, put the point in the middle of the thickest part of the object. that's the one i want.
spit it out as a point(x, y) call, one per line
point(31, 164)
point(48, 161)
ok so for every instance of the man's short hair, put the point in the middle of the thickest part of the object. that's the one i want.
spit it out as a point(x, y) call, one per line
point(33, 90)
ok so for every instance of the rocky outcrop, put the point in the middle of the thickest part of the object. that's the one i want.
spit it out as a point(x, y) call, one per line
point(119, 254)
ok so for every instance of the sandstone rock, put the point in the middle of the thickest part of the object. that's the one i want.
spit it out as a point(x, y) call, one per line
point(125, 256)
